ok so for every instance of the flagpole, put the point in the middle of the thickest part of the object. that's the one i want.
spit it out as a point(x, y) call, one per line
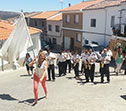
point(2, 62)
point(2, 66)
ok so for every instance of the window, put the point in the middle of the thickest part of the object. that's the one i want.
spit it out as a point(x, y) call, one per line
point(57, 28)
point(54, 40)
point(43, 23)
point(50, 27)
point(112, 21)
point(93, 22)
point(78, 37)
point(68, 18)
point(35, 23)
point(49, 40)
point(76, 19)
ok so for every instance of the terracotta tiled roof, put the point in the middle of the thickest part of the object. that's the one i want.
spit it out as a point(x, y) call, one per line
point(31, 14)
point(58, 17)
point(123, 0)
point(6, 29)
point(81, 5)
point(45, 15)
point(105, 4)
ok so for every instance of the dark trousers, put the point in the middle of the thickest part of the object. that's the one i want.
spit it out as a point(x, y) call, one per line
point(51, 69)
point(90, 73)
point(60, 67)
point(105, 71)
point(69, 65)
point(82, 67)
point(76, 70)
point(64, 67)
point(86, 70)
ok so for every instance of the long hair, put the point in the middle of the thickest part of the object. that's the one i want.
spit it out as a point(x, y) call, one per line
point(27, 54)
point(39, 59)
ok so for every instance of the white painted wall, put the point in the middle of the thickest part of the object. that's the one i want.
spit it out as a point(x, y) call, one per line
point(123, 6)
point(103, 24)
point(53, 34)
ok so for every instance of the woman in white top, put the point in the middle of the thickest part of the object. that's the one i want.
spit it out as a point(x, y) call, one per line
point(40, 74)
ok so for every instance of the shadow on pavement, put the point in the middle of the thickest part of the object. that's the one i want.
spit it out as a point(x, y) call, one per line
point(25, 75)
point(70, 77)
point(29, 101)
point(10, 98)
point(7, 97)
point(123, 97)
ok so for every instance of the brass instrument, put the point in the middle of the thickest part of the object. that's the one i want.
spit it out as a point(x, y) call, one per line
point(102, 63)
point(88, 64)
point(76, 61)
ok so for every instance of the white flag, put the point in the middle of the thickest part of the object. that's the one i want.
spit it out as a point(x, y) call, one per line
point(18, 41)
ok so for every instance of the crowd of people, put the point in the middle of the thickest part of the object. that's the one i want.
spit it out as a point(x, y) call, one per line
point(45, 64)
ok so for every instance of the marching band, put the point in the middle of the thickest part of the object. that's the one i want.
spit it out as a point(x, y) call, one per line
point(69, 60)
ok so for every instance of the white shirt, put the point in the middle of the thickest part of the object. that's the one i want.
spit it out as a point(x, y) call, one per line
point(64, 56)
point(39, 71)
point(60, 58)
point(68, 56)
point(108, 57)
point(49, 57)
point(75, 57)
point(109, 52)
point(92, 56)
point(84, 57)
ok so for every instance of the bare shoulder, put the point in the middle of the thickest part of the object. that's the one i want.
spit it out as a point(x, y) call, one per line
point(46, 63)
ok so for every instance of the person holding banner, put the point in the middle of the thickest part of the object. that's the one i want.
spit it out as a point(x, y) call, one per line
point(40, 74)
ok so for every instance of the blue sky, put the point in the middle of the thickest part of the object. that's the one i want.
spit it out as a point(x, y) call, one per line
point(34, 5)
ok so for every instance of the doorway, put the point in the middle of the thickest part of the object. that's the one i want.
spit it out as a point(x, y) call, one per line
point(72, 44)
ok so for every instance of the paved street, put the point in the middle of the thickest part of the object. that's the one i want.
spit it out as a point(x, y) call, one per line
point(65, 94)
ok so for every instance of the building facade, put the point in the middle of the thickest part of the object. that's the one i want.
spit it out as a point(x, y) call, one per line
point(40, 21)
point(99, 21)
point(73, 21)
point(72, 30)
point(54, 31)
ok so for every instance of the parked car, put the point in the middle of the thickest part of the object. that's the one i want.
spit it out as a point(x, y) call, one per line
point(95, 48)
point(45, 45)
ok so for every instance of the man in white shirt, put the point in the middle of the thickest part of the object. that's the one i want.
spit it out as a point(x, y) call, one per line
point(76, 59)
point(84, 68)
point(50, 57)
point(60, 60)
point(68, 60)
point(92, 57)
point(64, 62)
point(106, 58)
